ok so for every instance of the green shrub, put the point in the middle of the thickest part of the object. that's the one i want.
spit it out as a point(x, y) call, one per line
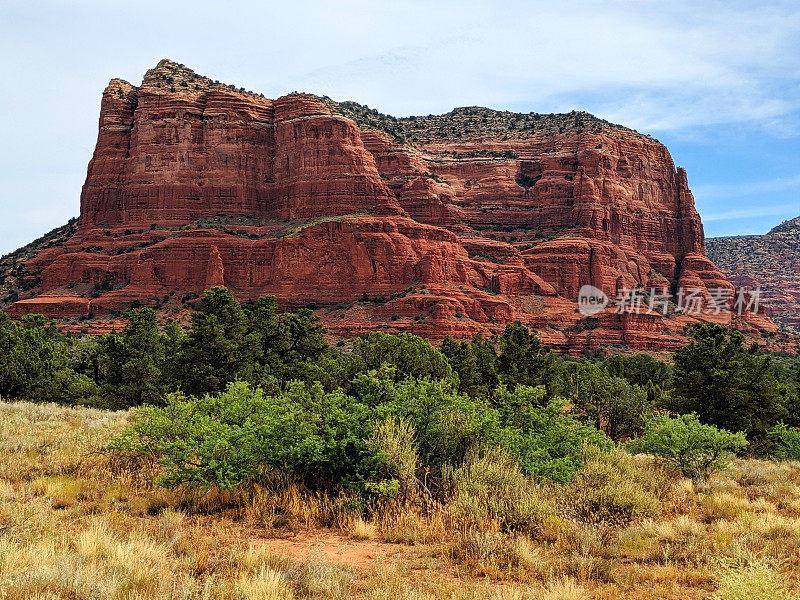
point(446, 423)
point(70, 387)
point(683, 441)
point(727, 382)
point(523, 359)
point(608, 402)
point(464, 361)
point(38, 363)
point(130, 364)
point(26, 358)
point(787, 442)
point(240, 435)
point(376, 439)
point(413, 356)
point(546, 441)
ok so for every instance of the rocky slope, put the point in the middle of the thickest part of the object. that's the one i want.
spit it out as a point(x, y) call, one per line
point(449, 224)
point(771, 262)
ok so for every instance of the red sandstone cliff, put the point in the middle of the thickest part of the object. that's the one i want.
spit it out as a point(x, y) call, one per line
point(770, 262)
point(452, 224)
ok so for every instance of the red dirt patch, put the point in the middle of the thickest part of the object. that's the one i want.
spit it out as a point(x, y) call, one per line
point(331, 546)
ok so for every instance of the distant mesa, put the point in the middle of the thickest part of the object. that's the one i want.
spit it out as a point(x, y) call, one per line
point(449, 224)
point(770, 262)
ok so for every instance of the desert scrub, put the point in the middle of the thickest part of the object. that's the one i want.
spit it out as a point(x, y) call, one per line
point(266, 584)
point(100, 558)
point(490, 486)
point(613, 488)
point(122, 538)
point(316, 578)
point(754, 579)
point(496, 554)
point(395, 449)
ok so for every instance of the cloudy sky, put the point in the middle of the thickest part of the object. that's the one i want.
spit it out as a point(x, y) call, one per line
point(718, 82)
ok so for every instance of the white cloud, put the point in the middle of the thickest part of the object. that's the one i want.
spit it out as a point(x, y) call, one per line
point(790, 209)
point(749, 188)
point(653, 65)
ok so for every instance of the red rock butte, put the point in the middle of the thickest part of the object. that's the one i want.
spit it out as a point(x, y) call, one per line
point(449, 225)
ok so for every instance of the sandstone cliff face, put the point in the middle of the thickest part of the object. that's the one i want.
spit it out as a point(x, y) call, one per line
point(770, 262)
point(180, 147)
point(450, 225)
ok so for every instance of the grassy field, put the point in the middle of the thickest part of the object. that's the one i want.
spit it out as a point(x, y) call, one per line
point(80, 523)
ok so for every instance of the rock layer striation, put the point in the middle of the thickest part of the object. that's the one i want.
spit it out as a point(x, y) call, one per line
point(441, 225)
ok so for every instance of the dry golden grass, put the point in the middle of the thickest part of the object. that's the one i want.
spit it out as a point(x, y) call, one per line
point(362, 530)
point(79, 523)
